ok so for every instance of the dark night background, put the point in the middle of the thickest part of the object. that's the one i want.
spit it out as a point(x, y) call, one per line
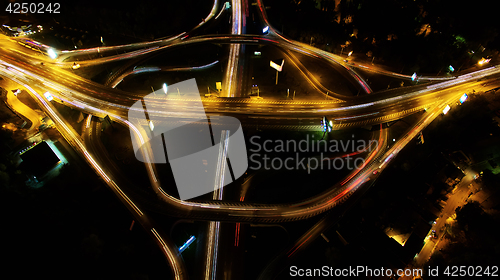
point(74, 228)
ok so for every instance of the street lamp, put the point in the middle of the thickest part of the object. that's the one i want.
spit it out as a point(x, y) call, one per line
point(277, 67)
point(52, 54)
point(342, 48)
point(446, 109)
point(483, 61)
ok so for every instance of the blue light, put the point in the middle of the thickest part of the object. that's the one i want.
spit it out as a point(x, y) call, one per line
point(414, 76)
point(463, 98)
point(48, 96)
point(188, 242)
point(265, 29)
point(327, 125)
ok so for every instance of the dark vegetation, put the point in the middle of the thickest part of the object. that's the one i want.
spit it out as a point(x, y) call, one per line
point(423, 36)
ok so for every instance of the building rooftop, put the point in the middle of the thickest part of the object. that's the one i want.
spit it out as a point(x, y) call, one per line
point(39, 159)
